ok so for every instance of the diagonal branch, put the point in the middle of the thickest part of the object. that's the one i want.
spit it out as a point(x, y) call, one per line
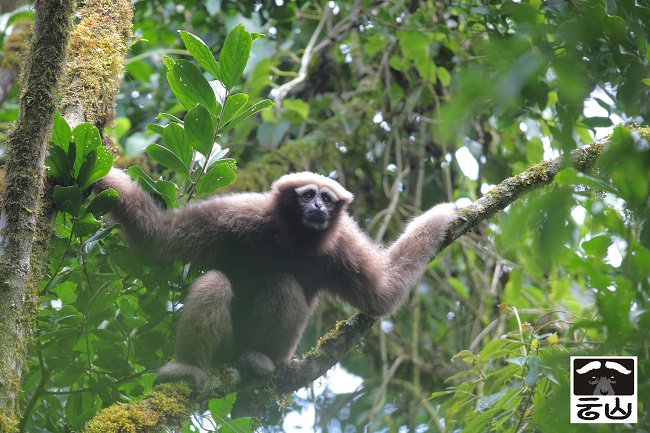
point(332, 347)
point(284, 89)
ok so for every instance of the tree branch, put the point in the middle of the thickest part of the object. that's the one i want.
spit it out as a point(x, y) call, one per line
point(284, 89)
point(98, 46)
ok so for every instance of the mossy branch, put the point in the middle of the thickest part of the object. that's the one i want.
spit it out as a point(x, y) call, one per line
point(332, 347)
point(98, 46)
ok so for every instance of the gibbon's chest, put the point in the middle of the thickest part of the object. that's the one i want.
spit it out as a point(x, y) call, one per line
point(250, 262)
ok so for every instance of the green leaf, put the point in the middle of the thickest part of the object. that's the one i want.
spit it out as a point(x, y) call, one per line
point(86, 138)
point(199, 129)
point(121, 128)
point(200, 51)
point(238, 425)
point(570, 176)
point(126, 259)
point(534, 370)
point(90, 243)
point(79, 408)
point(234, 105)
point(220, 407)
point(96, 165)
point(220, 176)
point(175, 140)
point(262, 105)
point(444, 76)
point(256, 36)
point(234, 56)
point(486, 402)
point(86, 225)
point(191, 87)
point(72, 157)
point(597, 246)
point(297, 106)
point(169, 62)
point(167, 158)
point(414, 44)
point(103, 203)
point(479, 422)
point(170, 117)
point(67, 198)
point(164, 189)
point(104, 297)
point(61, 132)
point(646, 81)
point(58, 165)
point(220, 154)
point(158, 129)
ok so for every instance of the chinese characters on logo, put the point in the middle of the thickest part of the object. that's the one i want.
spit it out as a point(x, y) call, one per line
point(603, 389)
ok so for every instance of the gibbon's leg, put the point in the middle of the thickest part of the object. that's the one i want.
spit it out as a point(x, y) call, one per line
point(274, 327)
point(204, 330)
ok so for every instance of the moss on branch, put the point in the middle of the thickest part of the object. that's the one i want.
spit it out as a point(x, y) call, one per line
point(98, 47)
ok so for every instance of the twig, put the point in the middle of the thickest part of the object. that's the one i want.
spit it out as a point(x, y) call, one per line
point(284, 89)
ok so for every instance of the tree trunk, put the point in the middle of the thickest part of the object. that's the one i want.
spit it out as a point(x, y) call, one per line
point(27, 146)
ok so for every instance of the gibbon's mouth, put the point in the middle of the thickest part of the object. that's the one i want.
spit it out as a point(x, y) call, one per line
point(316, 220)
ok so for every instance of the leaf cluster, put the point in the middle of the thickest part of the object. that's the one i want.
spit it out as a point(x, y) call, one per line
point(212, 110)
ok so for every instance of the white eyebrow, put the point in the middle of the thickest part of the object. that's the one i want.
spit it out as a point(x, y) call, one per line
point(313, 188)
point(335, 198)
point(303, 189)
point(618, 367)
point(593, 365)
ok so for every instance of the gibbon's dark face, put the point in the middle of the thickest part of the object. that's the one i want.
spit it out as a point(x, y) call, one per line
point(318, 205)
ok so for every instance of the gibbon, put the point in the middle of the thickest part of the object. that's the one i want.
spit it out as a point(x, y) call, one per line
point(268, 257)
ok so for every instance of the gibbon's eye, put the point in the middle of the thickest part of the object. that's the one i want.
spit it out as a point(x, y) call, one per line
point(326, 199)
point(308, 196)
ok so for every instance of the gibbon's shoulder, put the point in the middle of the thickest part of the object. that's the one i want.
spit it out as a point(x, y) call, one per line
point(239, 212)
point(296, 180)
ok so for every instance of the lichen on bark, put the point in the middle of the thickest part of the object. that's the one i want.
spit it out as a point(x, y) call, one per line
point(97, 50)
point(167, 405)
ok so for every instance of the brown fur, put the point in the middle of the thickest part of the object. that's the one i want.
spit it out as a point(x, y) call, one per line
point(266, 269)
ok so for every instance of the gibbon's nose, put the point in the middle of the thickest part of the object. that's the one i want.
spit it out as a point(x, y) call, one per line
point(318, 203)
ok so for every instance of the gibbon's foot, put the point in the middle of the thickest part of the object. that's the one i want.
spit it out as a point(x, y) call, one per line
point(176, 372)
point(255, 365)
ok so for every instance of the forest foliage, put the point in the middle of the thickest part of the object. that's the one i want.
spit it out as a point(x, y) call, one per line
point(407, 103)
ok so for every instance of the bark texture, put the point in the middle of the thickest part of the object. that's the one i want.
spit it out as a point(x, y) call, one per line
point(27, 144)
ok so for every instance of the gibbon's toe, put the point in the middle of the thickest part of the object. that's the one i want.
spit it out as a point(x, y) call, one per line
point(255, 365)
point(176, 372)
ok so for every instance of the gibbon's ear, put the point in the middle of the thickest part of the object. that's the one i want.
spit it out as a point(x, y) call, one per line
point(296, 180)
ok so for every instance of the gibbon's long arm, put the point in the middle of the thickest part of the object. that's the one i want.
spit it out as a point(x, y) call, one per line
point(186, 234)
point(345, 261)
point(377, 280)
